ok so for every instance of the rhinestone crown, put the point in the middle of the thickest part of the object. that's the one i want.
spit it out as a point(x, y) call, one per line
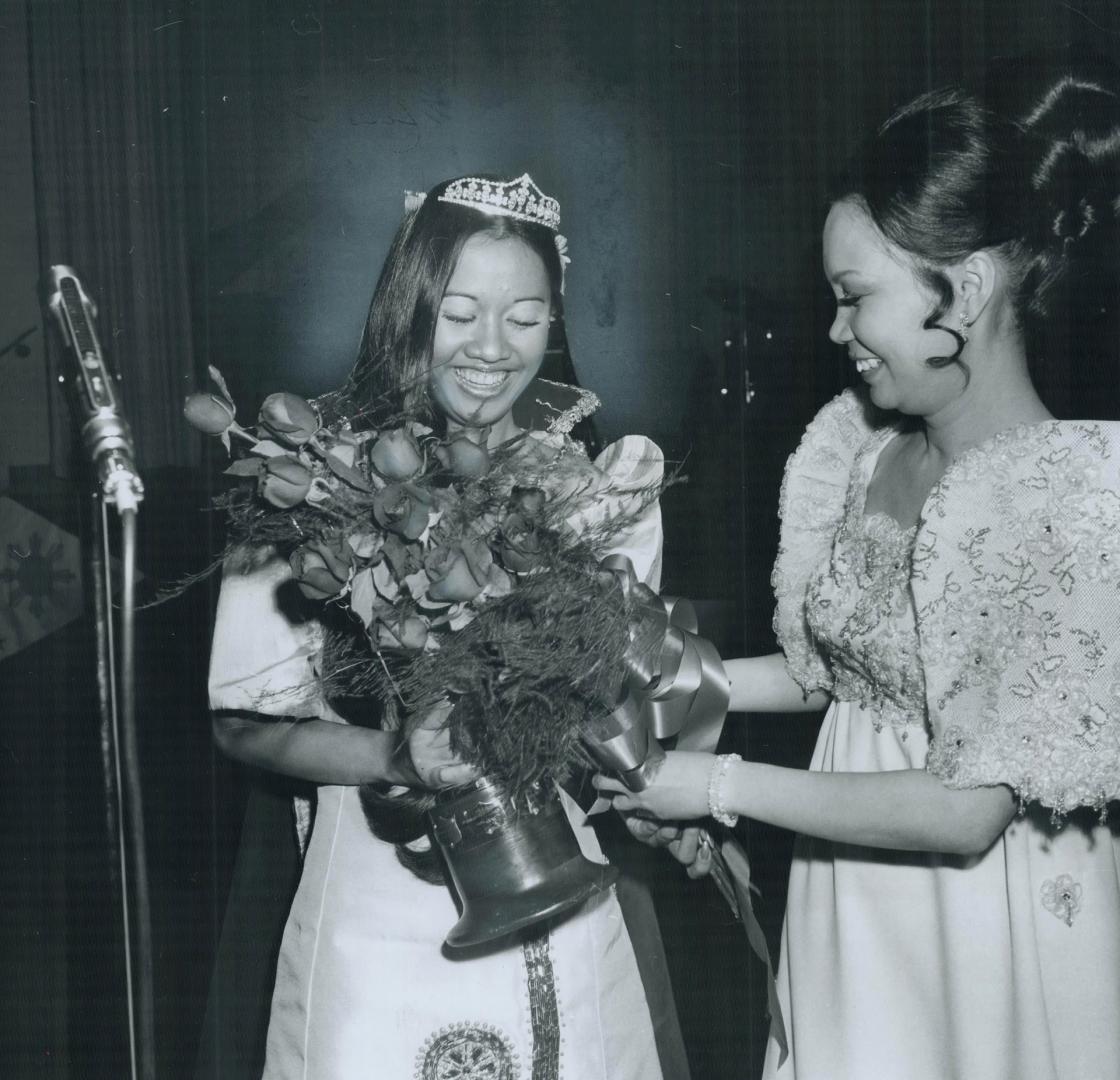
point(520, 198)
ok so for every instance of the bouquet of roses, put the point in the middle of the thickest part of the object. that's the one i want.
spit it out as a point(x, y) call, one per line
point(467, 573)
point(478, 576)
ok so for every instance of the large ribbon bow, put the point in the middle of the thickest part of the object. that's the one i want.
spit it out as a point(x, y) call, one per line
point(675, 684)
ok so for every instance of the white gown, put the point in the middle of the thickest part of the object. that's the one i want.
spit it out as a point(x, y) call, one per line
point(364, 986)
point(914, 966)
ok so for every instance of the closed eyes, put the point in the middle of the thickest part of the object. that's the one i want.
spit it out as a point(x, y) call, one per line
point(465, 320)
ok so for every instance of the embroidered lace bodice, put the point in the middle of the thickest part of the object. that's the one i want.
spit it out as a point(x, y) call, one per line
point(861, 610)
point(995, 622)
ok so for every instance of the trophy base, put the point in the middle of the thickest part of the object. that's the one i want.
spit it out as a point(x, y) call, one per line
point(495, 917)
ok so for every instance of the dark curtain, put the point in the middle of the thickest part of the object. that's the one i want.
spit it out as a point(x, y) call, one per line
point(108, 120)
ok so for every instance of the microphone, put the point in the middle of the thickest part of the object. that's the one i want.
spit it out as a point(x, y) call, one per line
point(106, 434)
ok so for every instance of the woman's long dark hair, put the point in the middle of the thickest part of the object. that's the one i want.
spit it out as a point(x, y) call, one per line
point(1035, 181)
point(390, 379)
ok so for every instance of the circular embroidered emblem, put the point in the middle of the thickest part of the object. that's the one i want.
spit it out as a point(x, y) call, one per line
point(467, 1052)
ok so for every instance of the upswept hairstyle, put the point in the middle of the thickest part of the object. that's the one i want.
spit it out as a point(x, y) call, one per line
point(1036, 185)
point(391, 373)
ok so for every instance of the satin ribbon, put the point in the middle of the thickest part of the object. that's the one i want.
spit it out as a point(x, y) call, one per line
point(738, 869)
point(676, 686)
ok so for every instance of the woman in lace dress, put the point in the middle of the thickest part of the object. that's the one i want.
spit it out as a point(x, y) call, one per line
point(947, 579)
point(458, 325)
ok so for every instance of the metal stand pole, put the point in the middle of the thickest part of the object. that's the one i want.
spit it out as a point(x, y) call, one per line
point(120, 757)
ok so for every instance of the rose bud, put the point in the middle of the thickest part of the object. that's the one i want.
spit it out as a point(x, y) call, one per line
point(400, 508)
point(458, 573)
point(396, 455)
point(209, 413)
point(519, 544)
point(528, 501)
point(289, 418)
point(462, 456)
point(284, 481)
point(321, 568)
point(409, 632)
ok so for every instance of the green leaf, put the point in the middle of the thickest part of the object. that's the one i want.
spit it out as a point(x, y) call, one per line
point(216, 375)
point(245, 467)
point(346, 473)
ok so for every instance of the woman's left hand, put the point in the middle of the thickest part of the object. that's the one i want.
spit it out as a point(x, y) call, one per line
point(678, 788)
point(688, 844)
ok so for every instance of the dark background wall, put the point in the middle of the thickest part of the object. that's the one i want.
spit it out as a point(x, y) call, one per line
point(689, 145)
point(317, 121)
point(23, 409)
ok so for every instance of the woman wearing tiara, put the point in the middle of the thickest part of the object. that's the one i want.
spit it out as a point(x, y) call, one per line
point(457, 331)
point(947, 581)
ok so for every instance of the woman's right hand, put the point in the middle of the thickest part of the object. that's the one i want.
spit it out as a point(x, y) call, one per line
point(676, 790)
point(429, 747)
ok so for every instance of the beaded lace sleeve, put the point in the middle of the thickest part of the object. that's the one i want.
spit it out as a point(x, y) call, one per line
point(1017, 588)
point(811, 507)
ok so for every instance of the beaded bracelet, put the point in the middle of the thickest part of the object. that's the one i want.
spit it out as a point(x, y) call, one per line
point(715, 790)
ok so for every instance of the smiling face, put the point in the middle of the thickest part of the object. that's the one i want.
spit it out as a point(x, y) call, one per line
point(491, 334)
point(881, 308)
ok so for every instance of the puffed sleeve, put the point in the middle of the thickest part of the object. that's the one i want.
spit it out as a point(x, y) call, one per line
point(811, 507)
point(634, 467)
point(1017, 590)
point(263, 656)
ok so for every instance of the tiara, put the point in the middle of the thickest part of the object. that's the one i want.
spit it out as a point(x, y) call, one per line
point(519, 198)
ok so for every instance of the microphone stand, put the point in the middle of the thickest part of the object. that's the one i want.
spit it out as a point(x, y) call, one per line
point(107, 438)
